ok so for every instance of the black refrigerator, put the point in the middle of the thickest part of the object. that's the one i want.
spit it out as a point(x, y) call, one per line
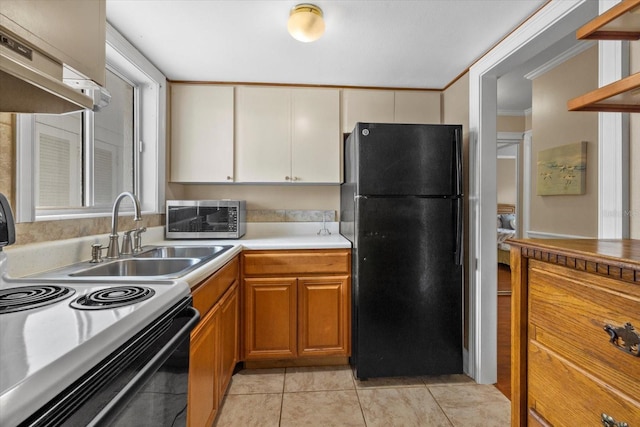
point(402, 210)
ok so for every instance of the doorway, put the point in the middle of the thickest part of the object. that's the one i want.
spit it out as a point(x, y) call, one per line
point(550, 25)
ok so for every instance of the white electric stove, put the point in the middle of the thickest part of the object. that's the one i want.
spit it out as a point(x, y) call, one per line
point(47, 346)
point(92, 353)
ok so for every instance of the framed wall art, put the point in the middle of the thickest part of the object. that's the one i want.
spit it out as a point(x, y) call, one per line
point(562, 170)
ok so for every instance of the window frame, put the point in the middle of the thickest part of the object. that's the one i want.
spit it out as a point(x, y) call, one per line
point(149, 140)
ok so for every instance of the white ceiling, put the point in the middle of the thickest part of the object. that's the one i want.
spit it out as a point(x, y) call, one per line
point(371, 43)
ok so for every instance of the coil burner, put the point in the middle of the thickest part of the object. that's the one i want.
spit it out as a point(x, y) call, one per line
point(28, 297)
point(117, 296)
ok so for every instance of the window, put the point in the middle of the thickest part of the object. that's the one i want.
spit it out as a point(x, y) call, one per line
point(74, 165)
point(100, 144)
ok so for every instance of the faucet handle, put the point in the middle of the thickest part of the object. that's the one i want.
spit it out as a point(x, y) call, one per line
point(126, 243)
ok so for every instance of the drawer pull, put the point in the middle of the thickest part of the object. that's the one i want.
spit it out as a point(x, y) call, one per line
point(608, 421)
point(624, 338)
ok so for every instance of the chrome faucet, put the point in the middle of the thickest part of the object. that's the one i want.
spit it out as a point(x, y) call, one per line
point(113, 251)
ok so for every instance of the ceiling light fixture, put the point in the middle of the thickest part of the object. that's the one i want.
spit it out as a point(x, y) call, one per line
point(306, 22)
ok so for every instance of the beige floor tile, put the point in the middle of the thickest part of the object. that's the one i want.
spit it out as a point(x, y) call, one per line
point(321, 408)
point(318, 379)
point(447, 379)
point(250, 410)
point(401, 407)
point(389, 382)
point(250, 381)
point(473, 405)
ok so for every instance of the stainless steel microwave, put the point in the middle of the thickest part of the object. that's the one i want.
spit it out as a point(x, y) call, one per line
point(206, 219)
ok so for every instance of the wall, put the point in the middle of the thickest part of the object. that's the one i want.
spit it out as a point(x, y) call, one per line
point(634, 154)
point(455, 110)
point(510, 124)
point(554, 126)
point(506, 171)
point(506, 179)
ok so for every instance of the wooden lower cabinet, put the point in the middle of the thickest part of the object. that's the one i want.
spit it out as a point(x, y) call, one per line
point(569, 368)
point(323, 316)
point(297, 305)
point(270, 318)
point(214, 343)
point(203, 377)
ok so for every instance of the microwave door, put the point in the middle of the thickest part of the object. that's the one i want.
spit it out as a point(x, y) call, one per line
point(214, 218)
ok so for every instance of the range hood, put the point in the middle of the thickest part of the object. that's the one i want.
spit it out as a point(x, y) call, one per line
point(31, 82)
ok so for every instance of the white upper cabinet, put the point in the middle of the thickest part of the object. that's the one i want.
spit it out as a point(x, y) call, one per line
point(71, 32)
point(263, 134)
point(388, 106)
point(316, 141)
point(420, 107)
point(201, 133)
point(360, 105)
point(287, 135)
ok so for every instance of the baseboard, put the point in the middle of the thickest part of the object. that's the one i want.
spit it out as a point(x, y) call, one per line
point(299, 362)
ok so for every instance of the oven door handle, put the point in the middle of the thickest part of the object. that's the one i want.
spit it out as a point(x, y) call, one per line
point(113, 408)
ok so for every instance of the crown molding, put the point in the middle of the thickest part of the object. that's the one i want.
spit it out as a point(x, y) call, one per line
point(566, 55)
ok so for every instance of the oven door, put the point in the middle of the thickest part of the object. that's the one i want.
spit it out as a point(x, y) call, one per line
point(143, 383)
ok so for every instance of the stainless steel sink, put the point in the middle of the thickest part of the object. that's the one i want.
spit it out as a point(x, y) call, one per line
point(154, 262)
point(140, 267)
point(182, 251)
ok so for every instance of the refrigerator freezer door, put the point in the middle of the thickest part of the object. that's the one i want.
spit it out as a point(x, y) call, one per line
point(407, 288)
point(395, 159)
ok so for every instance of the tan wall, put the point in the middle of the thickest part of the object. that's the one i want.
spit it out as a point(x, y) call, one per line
point(554, 126)
point(316, 197)
point(527, 120)
point(7, 157)
point(510, 124)
point(634, 158)
point(506, 181)
point(455, 110)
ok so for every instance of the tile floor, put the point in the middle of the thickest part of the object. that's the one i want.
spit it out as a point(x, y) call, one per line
point(330, 396)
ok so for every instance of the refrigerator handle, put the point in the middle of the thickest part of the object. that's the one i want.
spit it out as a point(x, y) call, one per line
point(458, 161)
point(459, 231)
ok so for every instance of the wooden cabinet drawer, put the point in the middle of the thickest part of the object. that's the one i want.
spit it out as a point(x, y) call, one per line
point(568, 311)
point(303, 262)
point(566, 395)
point(207, 293)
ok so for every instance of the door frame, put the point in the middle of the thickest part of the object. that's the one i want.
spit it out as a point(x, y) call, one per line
point(549, 25)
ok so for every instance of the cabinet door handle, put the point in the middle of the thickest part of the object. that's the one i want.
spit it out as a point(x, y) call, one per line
point(287, 178)
point(608, 421)
point(229, 178)
point(624, 338)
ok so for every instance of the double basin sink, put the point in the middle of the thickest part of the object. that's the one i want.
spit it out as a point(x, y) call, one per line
point(165, 262)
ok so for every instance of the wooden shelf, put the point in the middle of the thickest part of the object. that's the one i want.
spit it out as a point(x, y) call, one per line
point(619, 96)
point(621, 22)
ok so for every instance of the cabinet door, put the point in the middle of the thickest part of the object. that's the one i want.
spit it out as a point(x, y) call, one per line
point(263, 134)
point(417, 107)
point(203, 375)
point(324, 316)
point(366, 106)
point(228, 338)
point(316, 143)
point(270, 318)
point(201, 133)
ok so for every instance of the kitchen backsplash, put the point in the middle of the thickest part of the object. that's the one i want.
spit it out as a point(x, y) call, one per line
point(282, 215)
point(45, 231)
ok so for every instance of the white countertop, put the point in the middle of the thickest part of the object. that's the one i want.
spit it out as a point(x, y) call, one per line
point(36, 258)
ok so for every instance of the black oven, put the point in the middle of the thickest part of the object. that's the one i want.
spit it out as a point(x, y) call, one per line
point(142, 383)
